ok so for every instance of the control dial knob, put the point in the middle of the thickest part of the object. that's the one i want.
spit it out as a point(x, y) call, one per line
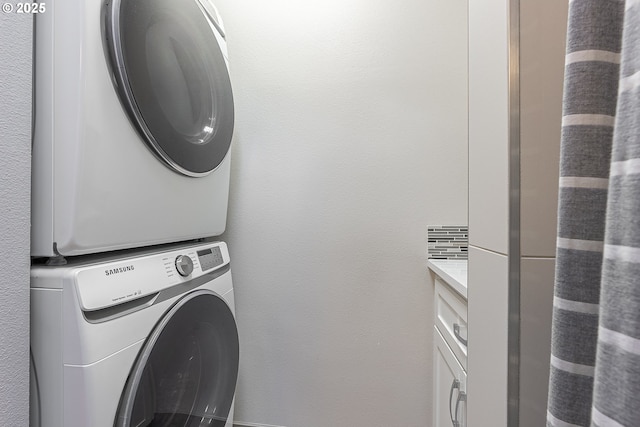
point(184, 265)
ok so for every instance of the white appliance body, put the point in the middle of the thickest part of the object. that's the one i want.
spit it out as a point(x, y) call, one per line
point(130, 340)
point(133, 123)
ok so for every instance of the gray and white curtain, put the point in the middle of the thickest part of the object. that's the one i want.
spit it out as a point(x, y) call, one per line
point(595, 361)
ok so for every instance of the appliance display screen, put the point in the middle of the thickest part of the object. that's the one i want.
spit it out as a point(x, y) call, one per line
point(210, 258)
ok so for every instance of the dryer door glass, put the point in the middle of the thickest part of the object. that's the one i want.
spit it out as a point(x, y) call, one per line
point(185, 375)
point(172, 79)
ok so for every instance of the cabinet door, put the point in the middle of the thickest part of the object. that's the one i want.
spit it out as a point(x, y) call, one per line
point(450, 384)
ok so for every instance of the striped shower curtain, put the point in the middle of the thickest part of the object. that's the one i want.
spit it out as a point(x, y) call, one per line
point(595, 361)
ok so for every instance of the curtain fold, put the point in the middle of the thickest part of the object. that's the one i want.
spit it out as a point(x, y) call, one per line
point(595, 360)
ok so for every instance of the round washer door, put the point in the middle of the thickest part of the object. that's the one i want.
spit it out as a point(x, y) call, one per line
point(172, 79)
point(185, 374)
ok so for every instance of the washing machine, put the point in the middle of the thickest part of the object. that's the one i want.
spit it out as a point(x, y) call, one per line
point(134, 117)
point(143, 340)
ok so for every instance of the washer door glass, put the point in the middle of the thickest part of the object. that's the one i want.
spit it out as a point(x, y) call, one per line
point(172, 79)
point(185, 375)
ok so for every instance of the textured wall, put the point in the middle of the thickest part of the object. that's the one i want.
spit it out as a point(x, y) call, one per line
point(350, 139)
point(15, 172)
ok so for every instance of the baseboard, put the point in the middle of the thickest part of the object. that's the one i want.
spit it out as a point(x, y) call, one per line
point(245, 424)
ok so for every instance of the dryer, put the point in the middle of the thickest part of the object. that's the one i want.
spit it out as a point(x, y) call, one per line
point(143, 340)
point(134, 117)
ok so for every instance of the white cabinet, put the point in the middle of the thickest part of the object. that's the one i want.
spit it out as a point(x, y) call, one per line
point(450, 356)
point(451, 319)
point(450, 386)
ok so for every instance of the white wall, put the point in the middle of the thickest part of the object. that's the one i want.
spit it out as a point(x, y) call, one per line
point(543, 28)
point(488, 302)
point(541, 64)
point(350, 139)
point(15, 172)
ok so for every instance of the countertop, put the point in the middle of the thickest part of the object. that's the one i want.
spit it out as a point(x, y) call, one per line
point(451, 271)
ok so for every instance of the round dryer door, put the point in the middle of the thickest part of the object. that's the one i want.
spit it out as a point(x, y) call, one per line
point(172, 79)
point(185, 375)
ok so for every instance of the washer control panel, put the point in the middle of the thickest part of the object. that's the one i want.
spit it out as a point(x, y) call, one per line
point(210, 258)
point(103, 285)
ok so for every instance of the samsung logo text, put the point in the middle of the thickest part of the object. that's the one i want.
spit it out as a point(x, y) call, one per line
point(118, 270)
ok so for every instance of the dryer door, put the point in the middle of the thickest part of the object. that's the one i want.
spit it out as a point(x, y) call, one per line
point(185, 374)
point(172, 78)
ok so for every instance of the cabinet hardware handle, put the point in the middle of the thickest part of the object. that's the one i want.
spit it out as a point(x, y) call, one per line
point(456, 332)
point(462, 397)
point(454, 385)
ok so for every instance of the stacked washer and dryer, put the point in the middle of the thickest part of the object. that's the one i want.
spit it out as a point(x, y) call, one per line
point(132, 319)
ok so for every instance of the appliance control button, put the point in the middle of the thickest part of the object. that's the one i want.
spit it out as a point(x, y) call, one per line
point(184, 265)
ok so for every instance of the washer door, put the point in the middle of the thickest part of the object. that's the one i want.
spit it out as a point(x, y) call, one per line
point(172, 79)
point(185, 375)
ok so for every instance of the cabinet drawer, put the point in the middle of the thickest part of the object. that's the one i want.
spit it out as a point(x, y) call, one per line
point(451, 319)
